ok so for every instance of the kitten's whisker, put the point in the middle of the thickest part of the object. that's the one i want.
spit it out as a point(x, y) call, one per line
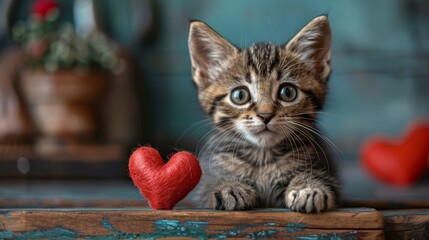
point(319, 123)
point(318, 133)
point(217, 132)
point(212, 137)
point(204, 136)
point(226, 139)
point(325, 138)
point(202, 123)
point(312, 140)
point(223, 134)
point(289, 139)
point(306, 156)
point(292, 143)
point(312, 130)
point(238, 144)
point(321, 112)
point(296, 151)
point(205, 149)
point(221, 138)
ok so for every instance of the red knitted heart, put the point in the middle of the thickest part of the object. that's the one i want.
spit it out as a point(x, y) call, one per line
point(164, 185)
point(399, 162)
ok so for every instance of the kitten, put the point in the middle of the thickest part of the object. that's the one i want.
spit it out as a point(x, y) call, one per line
point(263, 101)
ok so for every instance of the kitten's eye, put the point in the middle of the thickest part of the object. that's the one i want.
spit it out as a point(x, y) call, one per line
point(240, 96)
point(287, 93)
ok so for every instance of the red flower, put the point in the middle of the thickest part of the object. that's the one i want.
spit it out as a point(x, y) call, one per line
point(43, 7)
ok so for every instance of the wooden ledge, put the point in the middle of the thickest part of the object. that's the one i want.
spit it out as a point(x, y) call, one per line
point(100, 223)
point(406, 224)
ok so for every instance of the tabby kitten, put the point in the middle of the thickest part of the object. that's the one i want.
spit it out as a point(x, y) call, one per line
point(263, 101)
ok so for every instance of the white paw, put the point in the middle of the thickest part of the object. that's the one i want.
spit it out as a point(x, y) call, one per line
point(309, 200)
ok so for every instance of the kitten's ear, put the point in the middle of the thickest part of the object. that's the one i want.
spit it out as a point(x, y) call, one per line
point(312, 45)
point(209, 53)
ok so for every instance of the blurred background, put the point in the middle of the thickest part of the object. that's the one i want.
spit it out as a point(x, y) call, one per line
point(378, 85)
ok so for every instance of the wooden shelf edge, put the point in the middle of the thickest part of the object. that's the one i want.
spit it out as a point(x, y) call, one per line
point(147, 223)
point(348, 223)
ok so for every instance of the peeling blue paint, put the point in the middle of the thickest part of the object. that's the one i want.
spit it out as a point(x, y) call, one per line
point(254, 235)
point(6, 214)
point(107, 225)
point(6, 234)
point(266, 233)
point(295, 227)
point(168, 228)
point(353, 235)
point(233, 232)
point(55, 233)
point(165, 228)
point(192, 229)
point(270, 224)
point(261, 234)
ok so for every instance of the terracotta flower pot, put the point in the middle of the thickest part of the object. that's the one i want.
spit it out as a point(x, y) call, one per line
point(65, 105)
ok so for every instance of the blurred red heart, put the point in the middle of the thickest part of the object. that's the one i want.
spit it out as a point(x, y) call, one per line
point(398, 162)
point(164, 185)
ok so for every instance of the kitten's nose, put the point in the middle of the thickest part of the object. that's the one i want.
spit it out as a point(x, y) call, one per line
point(265, 116)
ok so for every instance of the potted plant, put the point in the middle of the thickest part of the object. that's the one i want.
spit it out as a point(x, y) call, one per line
point(65, 76)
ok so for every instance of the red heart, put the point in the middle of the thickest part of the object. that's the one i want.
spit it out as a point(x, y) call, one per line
point(399, 162)
point(164, 185)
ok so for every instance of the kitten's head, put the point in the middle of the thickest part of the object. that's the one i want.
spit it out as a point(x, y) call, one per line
point(264, 92)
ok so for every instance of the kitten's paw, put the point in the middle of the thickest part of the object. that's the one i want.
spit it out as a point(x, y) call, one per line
point(234, 197)
point(309, 200)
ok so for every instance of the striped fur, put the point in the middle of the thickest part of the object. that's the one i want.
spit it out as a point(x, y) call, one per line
point(250, 163)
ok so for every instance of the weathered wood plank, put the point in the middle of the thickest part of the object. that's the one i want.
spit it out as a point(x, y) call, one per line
point(407, 224)
point(386, 204)
point(196, 223)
